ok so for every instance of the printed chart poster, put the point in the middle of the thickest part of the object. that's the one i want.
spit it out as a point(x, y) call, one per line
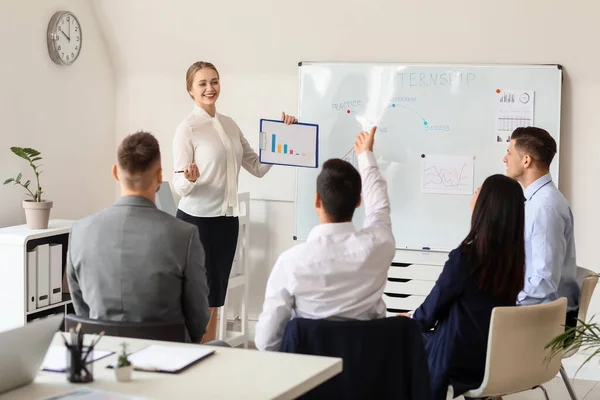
point(514, 109)
point(443, 174)
point(293, 145)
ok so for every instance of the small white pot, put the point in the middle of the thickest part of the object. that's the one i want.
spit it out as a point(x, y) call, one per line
point(37, 213)
point(123, 374)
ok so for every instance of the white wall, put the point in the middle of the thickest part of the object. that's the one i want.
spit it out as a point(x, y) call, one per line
point(258, 44)
point(67, 113)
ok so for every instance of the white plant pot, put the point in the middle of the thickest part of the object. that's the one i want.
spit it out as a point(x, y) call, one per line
point(37, 214)
point(123, 374)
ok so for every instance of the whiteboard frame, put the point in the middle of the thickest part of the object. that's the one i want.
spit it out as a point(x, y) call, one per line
point(556, 161)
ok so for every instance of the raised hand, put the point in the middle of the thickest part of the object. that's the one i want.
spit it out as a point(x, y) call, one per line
point(364, 141)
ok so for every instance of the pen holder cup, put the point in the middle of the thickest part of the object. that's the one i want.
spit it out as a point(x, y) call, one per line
point(79, 367)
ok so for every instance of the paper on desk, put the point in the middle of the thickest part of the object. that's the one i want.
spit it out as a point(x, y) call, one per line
point(56, 358)
point(92, 394)
point(167, 358)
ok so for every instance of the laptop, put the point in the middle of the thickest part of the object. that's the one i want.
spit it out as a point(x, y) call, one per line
point(23, 349)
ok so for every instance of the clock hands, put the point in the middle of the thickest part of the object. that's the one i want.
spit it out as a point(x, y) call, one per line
point(68, 38)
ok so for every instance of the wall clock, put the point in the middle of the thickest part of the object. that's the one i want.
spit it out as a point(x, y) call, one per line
point(64, 38)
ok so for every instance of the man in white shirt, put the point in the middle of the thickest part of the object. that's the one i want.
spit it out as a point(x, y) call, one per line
point(339, 273)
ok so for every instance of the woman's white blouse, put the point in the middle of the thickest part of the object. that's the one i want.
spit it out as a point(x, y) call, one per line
point(218, 147)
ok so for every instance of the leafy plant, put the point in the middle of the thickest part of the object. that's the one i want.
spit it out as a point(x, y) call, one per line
point(123, 360)
point(585, 335)
point(32, 156)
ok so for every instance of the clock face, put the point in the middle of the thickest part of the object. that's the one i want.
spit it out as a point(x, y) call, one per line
point(66, 39)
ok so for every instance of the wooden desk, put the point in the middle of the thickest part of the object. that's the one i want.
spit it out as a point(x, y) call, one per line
point(228, 374)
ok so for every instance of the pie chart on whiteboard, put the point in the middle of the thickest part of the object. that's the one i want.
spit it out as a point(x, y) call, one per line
point(524, 98)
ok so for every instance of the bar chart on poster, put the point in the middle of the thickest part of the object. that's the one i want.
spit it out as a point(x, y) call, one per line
point(291, 145)
point(441, 130)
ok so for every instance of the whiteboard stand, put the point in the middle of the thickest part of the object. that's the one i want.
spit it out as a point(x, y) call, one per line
point(238, 280)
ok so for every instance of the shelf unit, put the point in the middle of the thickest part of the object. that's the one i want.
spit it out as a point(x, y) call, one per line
point(15, 242)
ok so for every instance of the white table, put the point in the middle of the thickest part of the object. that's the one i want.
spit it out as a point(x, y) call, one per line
point(227, 374)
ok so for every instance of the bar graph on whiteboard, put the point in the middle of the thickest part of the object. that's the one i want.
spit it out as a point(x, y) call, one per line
point(444, 174)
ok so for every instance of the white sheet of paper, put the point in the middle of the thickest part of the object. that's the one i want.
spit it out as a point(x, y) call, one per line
point(444, 174)
point(167, 358)
point(56, 358)
point(514, 109)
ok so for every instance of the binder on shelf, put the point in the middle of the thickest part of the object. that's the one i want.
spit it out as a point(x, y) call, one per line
point(55, 273)
point(43, 275)
point(31, 280)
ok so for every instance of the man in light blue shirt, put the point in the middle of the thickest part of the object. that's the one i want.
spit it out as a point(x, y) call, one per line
point(549, 240)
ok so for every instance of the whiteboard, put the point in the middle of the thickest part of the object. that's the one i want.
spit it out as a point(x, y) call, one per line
point(450, 118)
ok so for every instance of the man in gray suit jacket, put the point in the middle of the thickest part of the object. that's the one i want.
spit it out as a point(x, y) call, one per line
point(133, 262)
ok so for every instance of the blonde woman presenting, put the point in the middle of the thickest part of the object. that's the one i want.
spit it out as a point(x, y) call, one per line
point(208, 151)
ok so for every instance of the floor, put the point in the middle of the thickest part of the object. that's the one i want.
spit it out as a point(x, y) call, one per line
point(585, 390)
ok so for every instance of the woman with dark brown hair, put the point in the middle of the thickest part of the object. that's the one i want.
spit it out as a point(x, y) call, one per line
point(487, 270)
point(208, 151)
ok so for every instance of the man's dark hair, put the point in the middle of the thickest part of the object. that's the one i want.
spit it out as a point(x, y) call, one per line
point(137, 154)
point(537, 143)
point(339, 187)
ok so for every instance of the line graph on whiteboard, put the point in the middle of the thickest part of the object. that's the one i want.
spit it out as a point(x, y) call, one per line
point(443, 174)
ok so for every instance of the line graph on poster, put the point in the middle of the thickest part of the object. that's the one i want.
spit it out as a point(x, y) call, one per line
point(447, 174)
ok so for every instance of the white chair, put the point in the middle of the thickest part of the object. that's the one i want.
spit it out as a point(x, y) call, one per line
point(587, 281)
point(238, 281)
point(516, 356)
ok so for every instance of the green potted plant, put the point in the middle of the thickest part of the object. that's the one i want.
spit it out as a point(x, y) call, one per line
point(585, 336)
point(124, 367)
point(37, 210)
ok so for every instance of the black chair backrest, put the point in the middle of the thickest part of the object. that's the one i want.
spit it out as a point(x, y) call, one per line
point(382, 358)
point(166, 331)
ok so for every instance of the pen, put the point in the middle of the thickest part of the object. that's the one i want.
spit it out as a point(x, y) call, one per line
point(65, 341)
point(73, 340)
point(79, 334)
point(179, 172)
point(426, 248)
point(93, 344)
